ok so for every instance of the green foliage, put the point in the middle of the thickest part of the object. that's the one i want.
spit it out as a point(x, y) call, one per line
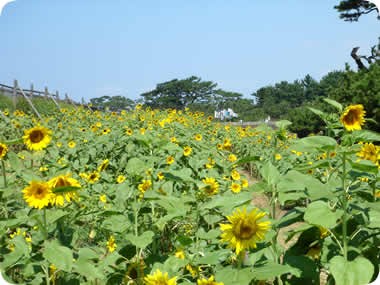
point(179, 93)
point(352, 10)
point(45, 106)
point(113, 102)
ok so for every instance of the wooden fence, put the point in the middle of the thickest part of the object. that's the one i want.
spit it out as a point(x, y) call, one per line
point(251, 124)
point(15, 91)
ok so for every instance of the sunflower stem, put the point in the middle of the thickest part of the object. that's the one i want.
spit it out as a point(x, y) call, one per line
point(45, 224)
point(344, 208)
point(136, 210)
point(4, 176)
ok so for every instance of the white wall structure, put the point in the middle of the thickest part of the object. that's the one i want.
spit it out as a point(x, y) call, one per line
point(225, 114)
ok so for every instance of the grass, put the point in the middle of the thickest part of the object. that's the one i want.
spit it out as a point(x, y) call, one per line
point(44, 106)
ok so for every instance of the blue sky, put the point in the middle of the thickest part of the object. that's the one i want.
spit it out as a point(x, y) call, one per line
point(90, 48)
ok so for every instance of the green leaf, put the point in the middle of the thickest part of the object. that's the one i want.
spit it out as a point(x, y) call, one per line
point(88, 269)
point(334, 104)
point(308, 267)
point(173, 264)
point(232, 276)
point(357, 272)
point(229, 201)
point(116, 223)
point(317, 164)
point(55, 214)
point(270, 173)
point(317, 112)
point(87, 254)
point(21, 249)
point(271, 269)
point(319, 213)
point(15, 141)
point(248, 159)
point(314, 144)
point(65, 189)
point(29, 176)
point(366, 136)
point(209, 235)
point(365, 166)
point(60, 256)
point(135, 166)
point(14, 161)
point(215, 257)
point(141, 241)
point(283, 124)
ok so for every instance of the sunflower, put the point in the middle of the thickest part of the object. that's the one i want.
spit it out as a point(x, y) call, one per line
point(37, 138)
point(120, 179)
point(180, 253)
point(235, 175)
point(129, 132)
point(227, 144)
point(104, 165)
point(210, 281)
point(3, 150)
point(244, 183)
point(236, 188)
point(158, 279)
point(187, 151)
point(369, 152)
point(145, 185)
point(37, 194)
point(232, 157)
point(212, 186)
point(198, 137)
point(60, 181)
point(244, 230)
point(132, 273)
point(111, 244)
point(278, 156)
point(106, 131)
point(71, 144)
point(160, 175)
point(92, 177)
point(169, 160)
point(103, 199)
point(314, 252)
point(353, 117)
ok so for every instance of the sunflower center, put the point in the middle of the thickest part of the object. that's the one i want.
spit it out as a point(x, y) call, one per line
point(40, 193)
point(62, 182)
point(36, 136)
point(1, 149)
point(245, 230)
point(351, 117)
point(133, 273)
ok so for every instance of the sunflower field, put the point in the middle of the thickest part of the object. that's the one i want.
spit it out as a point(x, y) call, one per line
point(171, 197)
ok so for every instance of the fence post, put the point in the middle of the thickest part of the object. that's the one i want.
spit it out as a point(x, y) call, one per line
point(14, 97)
point(57, 95)
point(55, 102)
point(30, 102)
point(31, 89)
point(46, 92)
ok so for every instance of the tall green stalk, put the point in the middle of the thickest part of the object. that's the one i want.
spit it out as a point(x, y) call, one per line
point(4, 176)
point(344, 208)
point(45, 224)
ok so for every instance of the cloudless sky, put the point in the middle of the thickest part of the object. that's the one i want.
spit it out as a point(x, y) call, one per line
point(90, 48)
